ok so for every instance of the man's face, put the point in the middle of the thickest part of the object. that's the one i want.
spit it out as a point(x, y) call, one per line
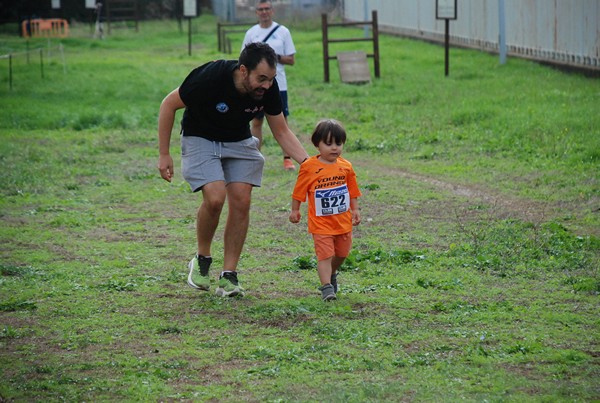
point(264, 12)
point(259, 80)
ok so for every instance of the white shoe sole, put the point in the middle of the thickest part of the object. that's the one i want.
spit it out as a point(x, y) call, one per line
point(233, 293)
point(191, 282)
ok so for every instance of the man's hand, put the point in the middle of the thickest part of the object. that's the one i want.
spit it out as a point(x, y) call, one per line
point(165, 167)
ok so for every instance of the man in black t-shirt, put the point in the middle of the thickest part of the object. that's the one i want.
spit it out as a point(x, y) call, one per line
point(219, 155)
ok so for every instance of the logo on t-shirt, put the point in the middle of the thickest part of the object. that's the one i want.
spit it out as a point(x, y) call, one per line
point(254, 110)
point(222, 107)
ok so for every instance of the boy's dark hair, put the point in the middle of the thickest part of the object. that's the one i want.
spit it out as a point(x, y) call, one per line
point(253, 53)
point(328, 131)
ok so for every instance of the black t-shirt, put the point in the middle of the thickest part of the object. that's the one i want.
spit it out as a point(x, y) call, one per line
point(215, 110)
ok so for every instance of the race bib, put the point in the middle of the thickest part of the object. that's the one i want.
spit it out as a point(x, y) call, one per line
point(332, 201)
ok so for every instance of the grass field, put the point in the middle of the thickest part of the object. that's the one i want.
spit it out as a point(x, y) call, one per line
point(474, 275)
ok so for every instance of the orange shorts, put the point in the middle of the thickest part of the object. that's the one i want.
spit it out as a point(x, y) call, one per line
point(327, 246)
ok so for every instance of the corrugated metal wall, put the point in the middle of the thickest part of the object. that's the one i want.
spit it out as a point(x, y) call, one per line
point(561, 31)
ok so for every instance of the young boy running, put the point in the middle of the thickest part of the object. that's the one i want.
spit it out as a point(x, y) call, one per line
point(332, 189)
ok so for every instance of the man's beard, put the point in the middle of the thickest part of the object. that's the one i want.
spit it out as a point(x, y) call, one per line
point(255, 93)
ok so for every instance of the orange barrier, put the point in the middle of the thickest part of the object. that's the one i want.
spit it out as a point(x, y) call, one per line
point(53, 27)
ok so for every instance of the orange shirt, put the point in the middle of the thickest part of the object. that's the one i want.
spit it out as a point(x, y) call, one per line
point(329, 188)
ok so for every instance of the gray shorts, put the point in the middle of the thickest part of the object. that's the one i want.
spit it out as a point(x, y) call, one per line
point(204, 161)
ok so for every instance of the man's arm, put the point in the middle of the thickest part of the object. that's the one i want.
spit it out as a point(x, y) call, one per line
point(289, 59)
point(286, 138)
point(166, 118)
point(289, 50)
point(246, 39)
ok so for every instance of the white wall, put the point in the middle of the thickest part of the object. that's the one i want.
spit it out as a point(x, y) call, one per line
point(563, 31)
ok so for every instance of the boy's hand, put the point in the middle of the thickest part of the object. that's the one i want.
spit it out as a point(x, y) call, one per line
point(355, 217)
point(295, 216)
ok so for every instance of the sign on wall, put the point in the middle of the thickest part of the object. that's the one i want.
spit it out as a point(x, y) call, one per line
point(55, 4)
point(445, 9)
point(90, 3)
point(189, 8)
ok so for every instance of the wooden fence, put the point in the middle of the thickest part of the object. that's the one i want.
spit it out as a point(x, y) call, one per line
point(51, 28)
point(325, 25)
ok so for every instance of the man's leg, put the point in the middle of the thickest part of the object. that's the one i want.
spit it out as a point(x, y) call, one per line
point(288, 165)
point(238, 218)
point(236, 228)
point(207, 217)
point(207, 220)
point(256, 130)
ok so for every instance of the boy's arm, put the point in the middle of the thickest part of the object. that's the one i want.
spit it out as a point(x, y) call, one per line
point(295, 213)
point(355, 211)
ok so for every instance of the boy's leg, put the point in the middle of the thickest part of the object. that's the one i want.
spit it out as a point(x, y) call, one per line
point(325, 251)
point(327, 289)
point(336, 263)
point(342, 246)
point(325, 254)
point(324, 270)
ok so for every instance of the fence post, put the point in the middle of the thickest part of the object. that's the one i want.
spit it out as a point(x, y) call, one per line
point(325, 47)
point(189, 36)
point(502, 33)
point(219, 35)
point(62, 57)
point(376, 43)
point(42, 61)
point(10, 78)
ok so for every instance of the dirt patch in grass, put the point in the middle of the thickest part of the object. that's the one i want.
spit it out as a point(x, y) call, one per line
point(502, 205)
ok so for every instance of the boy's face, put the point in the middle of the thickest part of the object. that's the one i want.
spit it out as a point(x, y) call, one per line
point(330, 150)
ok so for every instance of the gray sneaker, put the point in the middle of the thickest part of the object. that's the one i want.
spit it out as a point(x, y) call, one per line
point(327, 292)
point(229, 285)
point(198, 277)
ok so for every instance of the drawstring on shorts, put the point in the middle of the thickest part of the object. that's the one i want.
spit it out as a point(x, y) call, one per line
point(217, 148)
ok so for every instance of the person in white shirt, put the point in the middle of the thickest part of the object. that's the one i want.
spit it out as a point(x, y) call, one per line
point(280, 39)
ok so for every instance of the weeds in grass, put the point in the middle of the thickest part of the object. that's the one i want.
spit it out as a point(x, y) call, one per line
point(17, 305)
point(508, 248)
